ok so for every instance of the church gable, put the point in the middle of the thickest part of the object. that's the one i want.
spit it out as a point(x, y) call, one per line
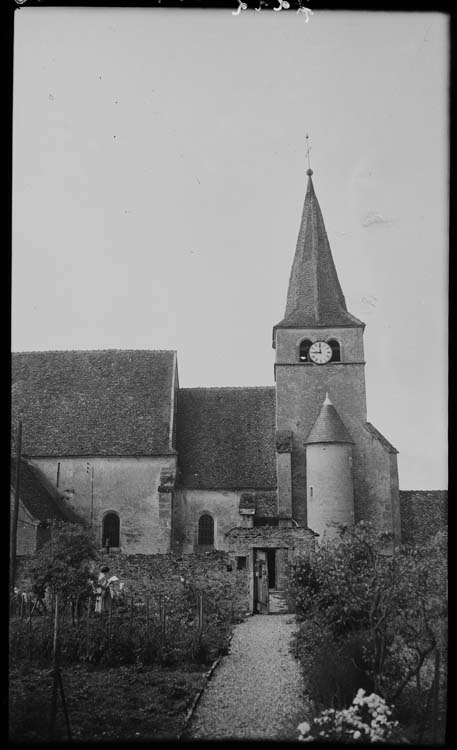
point(226, 438)
point(380, 437)
point(105, 403)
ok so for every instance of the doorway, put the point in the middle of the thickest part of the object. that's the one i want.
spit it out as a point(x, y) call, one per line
point(265, 577)
point(271, 565)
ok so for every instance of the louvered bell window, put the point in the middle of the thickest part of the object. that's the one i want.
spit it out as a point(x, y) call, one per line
point(304, 349)
point(336, 352)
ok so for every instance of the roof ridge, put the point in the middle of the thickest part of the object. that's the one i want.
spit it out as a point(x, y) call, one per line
point(379, 436)
point(424, 491)
point(228, 388)
point(96, 351)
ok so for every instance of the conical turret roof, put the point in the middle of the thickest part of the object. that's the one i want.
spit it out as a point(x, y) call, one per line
point(315, 297)
point(328, 427)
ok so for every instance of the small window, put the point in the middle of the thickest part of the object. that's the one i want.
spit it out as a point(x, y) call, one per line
point(335, 347)
point(206, 530)
point(110, 533)
point(304, 349)
point(241, 563)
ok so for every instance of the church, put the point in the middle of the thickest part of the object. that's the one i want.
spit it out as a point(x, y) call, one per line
point(112, 439)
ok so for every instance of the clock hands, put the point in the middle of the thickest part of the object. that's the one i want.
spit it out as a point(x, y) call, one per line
point(320, 352)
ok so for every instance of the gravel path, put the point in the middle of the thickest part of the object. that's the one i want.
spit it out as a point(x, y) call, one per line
point(256, 691)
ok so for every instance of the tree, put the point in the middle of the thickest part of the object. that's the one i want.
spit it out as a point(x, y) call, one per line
point(62, 565)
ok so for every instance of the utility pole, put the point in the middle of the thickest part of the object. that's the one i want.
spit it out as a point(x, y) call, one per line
point(92, 498)
point(90, 470)
point(15, 509)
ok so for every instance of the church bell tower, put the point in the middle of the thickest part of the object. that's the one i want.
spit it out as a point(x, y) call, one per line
point(319, 356)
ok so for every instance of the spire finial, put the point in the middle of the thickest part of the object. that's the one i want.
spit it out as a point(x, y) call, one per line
point(309, 171)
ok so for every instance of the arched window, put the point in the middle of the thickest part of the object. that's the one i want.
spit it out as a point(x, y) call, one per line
point(304, 349)
point(206, 530)
point(335, 347)
point(110, 533)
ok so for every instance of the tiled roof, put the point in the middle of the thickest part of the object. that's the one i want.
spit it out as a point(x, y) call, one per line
point(328, 427)
point(39, 497)
point(315, 297)
point(93, 402)
point(226, 438)
point(265, 504)
point(376, 434)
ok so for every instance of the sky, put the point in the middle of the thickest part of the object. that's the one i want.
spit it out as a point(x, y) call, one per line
point(159, 173)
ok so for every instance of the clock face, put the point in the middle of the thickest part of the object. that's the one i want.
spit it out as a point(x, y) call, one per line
point(320, 353)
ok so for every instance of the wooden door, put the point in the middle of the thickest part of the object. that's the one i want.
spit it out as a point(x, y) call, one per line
point(261, 582)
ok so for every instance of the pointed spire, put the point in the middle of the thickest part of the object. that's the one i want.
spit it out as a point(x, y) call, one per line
point(315, 297)
point(328, 427)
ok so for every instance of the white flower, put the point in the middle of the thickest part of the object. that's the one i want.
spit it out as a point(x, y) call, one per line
point(359, 696)
point(356, 735)
point(304, 727)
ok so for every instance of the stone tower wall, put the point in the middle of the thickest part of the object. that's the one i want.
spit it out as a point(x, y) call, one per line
point(300, 391)
point(330, 487)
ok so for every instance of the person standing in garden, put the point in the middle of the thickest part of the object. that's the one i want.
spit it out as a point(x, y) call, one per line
point(101, 590)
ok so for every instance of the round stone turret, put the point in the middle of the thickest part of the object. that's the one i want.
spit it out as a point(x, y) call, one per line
point(330, 490)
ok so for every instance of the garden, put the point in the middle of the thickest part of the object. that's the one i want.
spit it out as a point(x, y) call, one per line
point(372, 638)
point(128, 672)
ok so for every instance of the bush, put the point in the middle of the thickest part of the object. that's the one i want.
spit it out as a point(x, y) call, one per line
point(336, 672)
point(370, 616)
point(367, 720)
point(62, 565)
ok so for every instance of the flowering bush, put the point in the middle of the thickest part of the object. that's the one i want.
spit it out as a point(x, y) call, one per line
point(366, 720)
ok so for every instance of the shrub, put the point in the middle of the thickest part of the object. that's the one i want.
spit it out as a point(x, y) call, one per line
point(366, 720)
point(336, 672)
point(369, 616)
point(62, 565)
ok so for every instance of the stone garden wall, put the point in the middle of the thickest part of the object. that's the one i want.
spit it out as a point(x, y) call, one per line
point(170, 577)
